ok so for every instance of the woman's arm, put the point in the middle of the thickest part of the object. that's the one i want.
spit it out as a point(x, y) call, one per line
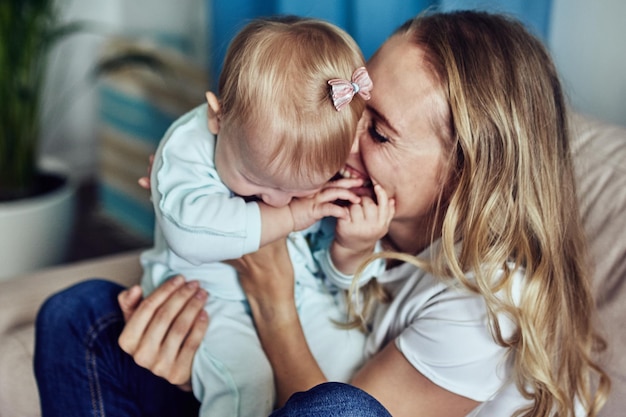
point(404, 391)
point(267, 278)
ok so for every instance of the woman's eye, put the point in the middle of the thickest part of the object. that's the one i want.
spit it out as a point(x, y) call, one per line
point(376, 135)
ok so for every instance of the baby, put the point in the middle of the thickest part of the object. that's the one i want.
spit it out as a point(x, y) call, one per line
point(251, 167)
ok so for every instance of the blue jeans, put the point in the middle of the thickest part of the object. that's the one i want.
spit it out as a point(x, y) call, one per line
point(332, 399)
point(81, 371)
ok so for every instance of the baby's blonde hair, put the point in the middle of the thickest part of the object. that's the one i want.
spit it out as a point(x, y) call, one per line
point(275, 80)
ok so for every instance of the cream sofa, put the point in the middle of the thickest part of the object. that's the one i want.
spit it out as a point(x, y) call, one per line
point(600, 155)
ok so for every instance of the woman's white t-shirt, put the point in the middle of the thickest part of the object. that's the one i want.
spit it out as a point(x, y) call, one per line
point(443, 331)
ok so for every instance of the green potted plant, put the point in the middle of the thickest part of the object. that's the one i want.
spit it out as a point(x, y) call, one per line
point(29, 29)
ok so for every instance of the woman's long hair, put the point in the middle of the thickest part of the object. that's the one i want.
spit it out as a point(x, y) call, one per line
point(512, 203)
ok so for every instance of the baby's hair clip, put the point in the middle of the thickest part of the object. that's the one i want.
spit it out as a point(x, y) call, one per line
point(342, 91)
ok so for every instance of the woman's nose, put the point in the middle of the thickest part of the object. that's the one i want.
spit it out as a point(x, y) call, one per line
point(354, 158)
point(355, 146)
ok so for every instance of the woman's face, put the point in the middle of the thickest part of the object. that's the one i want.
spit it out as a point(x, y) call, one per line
point(398, 144)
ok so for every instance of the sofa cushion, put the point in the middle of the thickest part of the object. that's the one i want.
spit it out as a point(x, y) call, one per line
point(599, 152)
point(600, 161)
point(17, 384)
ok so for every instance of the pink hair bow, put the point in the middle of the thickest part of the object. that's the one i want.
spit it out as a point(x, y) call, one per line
point(342, 91)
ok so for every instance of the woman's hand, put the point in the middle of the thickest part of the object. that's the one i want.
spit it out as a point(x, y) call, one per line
point(164, 330)
point(267, 278)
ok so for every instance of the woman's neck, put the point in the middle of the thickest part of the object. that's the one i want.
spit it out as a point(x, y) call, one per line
point(411, 238)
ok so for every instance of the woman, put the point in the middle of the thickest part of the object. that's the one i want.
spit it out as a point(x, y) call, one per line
point(466, 131)
point(485, 306)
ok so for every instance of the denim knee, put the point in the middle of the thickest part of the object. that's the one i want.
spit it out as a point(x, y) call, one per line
point(77, 303)
point(332, 399)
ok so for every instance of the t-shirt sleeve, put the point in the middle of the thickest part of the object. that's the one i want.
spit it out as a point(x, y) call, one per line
point(450, 343)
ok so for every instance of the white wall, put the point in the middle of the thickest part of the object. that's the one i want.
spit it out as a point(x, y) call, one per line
point(70, 105)
point(587, 41)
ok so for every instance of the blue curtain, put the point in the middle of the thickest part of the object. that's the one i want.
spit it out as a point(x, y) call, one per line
point(370, 22)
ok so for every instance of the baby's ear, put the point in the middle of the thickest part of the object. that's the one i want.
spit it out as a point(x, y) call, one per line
point(213, 112)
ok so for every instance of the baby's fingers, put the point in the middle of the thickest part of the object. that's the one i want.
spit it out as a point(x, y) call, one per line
point(333, 210)
point(381, 195)
point(329, 195)
point(386, 206)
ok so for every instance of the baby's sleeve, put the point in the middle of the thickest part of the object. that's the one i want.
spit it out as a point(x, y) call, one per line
point(344, 281)
point(201, 219)
point(320, 247)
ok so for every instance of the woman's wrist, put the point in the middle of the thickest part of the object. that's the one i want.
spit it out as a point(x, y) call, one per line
point(284, 343)
point(275, 313)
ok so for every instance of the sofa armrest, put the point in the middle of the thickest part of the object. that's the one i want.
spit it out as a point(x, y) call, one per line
point(21, 296)
point(599, 151)
point(20, 299)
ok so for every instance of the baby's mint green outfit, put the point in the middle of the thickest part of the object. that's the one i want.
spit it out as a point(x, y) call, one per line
point(200, 222)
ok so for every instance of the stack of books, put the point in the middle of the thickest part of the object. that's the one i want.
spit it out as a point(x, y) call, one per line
point(137, 104)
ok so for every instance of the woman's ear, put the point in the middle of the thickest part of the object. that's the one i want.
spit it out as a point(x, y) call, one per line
point(213, 112)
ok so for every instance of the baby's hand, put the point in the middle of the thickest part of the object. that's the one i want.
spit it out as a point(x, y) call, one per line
point(368, 222)
point(307, 210)
point(144, 182)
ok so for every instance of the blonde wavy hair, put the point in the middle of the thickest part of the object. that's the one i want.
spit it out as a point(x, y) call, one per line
point(511, 200)
point(275, 79)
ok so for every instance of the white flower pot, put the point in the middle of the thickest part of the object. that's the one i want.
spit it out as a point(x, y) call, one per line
point(35, 232)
